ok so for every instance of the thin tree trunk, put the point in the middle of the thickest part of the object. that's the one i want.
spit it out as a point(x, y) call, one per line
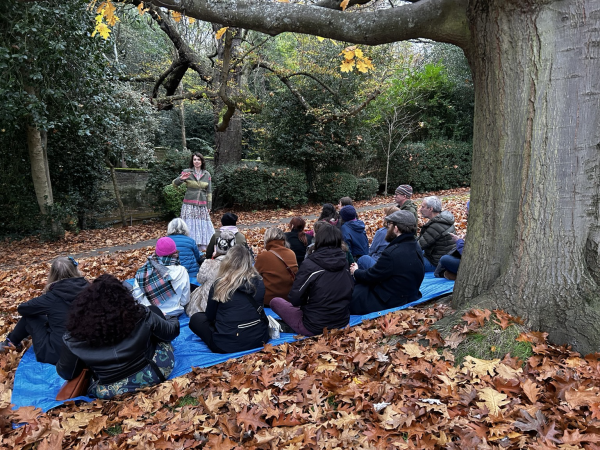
point(113, 177)
point(535, 186)
point(182, 119)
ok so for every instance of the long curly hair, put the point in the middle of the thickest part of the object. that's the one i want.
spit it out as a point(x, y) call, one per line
point(329, 213)
point(104, 313)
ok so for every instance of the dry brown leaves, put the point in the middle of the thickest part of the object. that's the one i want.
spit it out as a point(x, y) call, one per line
point(361, 387)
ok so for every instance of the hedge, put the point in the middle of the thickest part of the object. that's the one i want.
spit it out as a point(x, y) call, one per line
point(366, 188)
point(259, 185)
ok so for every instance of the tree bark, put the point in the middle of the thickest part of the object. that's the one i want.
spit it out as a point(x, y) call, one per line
point(40, 173)
point(113, 177)
point(533, 238)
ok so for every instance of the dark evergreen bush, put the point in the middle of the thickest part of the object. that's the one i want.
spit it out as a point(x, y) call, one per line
point(332, 186)
point(257, 185)
point(366, 188)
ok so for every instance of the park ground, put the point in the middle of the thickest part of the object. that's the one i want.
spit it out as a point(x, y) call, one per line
point(392, 382)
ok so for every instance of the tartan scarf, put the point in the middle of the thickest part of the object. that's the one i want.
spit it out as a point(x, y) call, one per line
point(155, 280)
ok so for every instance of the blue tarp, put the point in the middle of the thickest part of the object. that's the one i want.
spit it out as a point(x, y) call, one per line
point(36, 384)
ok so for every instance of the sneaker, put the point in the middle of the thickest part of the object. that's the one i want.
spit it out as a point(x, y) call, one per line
point(449, 276)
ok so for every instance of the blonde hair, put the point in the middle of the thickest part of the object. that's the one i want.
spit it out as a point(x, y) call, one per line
point(390, 210)
point(274, 234)
point(235, 270)
point(61, 268)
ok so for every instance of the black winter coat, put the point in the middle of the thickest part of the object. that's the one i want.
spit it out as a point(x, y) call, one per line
point(114, 362)
point(54, 305)
point(393, 281)
point(238, 325)
point(297, 246)
point(434, 237)
point(323, 290)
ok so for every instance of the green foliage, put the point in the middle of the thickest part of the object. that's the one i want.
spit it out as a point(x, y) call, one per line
point(258, 185)
point(366, 188)
point(173, 198)
point(332, 186)
point(162, 174)
point(432, 165)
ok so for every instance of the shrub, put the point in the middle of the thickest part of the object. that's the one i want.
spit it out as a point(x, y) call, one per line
point(331, 186)
point(366, 188)
point(255, 184)
point(432, 165)
point(173, 198)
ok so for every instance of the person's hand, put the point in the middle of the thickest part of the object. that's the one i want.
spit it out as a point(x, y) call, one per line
point(454, 237)
point(353, 268)
point(184, 175)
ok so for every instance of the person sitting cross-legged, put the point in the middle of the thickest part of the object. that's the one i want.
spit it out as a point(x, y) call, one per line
point(435, 238)
point(228, 223)
point(162, 281)
point(378, 245)
point(322, 290)
point(397, 275)
point(189, 255)
point(353, 232)
point(234, 320)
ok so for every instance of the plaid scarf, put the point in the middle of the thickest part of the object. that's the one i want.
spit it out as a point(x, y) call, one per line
point(155, 280)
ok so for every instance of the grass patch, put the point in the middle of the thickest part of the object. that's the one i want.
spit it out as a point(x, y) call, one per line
point(491, 342)
point(114, 430)
point(187, 400)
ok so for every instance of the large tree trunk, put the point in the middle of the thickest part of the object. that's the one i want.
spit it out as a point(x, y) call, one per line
point(533, 245)
point(40, 172)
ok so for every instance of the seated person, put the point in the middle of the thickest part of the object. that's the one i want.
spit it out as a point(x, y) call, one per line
point(298, 239)
point(435, 239)
point(322, 290)
point(353, 232)
point(126, 345)
point(277, 266)
point(162, 281)
point(448, 265)
point(208, 273)
point(44, 318)
point(189, 256)
point(378, 244)
point(345, 201)
point(311, 248)
point(397, 275)
point(234, 320)
point(229, 223)
point(329, 215)
point(402, 196)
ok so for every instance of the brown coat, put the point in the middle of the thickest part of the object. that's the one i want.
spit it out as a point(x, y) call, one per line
point(278, 281)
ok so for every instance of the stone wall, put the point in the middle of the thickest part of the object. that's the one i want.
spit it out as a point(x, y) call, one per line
point(138, 202)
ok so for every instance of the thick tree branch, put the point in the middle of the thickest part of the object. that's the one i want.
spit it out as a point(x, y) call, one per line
point(352, 112)
point(440, 20)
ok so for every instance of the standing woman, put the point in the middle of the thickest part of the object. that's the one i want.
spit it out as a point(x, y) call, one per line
point(44, 318)
point(197, 202)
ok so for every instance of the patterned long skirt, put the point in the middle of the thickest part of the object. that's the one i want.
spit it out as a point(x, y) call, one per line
point(164, 359)
point(198, 221)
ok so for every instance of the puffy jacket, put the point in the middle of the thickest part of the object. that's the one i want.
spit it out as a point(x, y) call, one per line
point(355, 236)
point(277, 279)
point(189, 256)
point(297, 246)
point(323, 290)
point(434, 237)
point(238, 325)
point(198, 190)
point(114, 362)
point(55, 305)
point(393, 281)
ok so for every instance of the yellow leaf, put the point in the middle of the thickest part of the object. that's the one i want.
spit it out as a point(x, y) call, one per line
point(344, 5)
point(141, 9)
point(413, 350)
point(480, 367)
point(176, 16)
point(492, 399)
point(221, 32)
point(102, 29)
point(283, 1)
point(347, 65)
point(191, 20)
point(320, 38)
point(358, 53)
point(108, 10)
point(361, 66)
point(348, 52)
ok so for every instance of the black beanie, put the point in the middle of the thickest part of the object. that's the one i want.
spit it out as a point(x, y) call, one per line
point(229, 219)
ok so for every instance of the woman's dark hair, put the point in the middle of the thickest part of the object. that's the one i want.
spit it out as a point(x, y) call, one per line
point(104, 313)
point(199, 155)
point(297, 224)
point(328, 236)
point(328, 213)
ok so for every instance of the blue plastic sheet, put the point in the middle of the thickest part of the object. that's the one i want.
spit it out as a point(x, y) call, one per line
point(36, 384)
